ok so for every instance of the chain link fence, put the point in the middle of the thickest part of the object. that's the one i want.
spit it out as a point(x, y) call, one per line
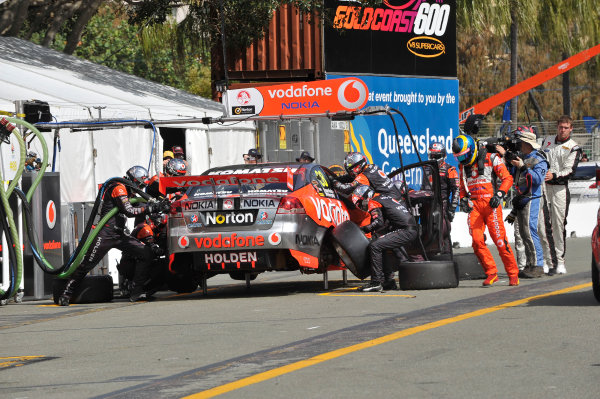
point(588, 141)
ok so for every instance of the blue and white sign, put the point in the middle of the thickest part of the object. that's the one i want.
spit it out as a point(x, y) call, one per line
point(431, 110)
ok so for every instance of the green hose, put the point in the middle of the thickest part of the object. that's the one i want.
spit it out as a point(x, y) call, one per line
point(4, 194)
point(40, 174)
point(92, 236)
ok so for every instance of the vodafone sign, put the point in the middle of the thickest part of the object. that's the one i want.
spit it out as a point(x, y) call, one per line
point(305, 98)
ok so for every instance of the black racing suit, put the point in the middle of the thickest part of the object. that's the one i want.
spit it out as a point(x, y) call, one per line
point(113, 235)
point(402, 230)
point(374, 177)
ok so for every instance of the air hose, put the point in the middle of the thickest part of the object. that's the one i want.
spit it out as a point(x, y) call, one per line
point(8, 225)
point(15, 251)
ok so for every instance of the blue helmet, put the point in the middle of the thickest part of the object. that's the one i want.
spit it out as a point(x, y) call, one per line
point(464, 149)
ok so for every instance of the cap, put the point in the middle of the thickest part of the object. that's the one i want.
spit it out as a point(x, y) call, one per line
point(253, 152)
point(305, 155)
point(177, 149)
point(527, 136)
point(168, 154)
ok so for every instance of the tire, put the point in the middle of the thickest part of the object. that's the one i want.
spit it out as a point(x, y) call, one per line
point(469, 267)
point(595, 281)
point(181, 283)
point(351, 245)
point(427, 275)
point(92, 289)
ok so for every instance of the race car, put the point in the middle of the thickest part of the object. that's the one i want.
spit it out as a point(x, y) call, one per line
point(243, 220)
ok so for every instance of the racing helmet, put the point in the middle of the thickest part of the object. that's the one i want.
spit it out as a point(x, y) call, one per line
point(464, 149)
point(138, 175)
point(361, 196)
point(437, 152)
point(177, 152)
point(175, 167)
point(355, 163)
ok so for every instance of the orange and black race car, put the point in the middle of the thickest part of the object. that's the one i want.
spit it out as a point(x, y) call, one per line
point(242, 220)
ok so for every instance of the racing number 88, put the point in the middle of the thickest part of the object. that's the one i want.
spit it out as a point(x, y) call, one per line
point(432, 19)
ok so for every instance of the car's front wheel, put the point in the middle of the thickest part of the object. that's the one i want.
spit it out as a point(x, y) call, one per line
point(351, 245)
point(595, 280)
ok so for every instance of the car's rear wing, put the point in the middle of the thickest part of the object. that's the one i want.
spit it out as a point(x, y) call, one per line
point(224, 179)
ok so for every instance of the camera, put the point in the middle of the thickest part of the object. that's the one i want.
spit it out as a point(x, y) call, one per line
point(509, 142)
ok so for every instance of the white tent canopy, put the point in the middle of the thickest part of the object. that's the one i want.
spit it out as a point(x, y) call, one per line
point(80, 90)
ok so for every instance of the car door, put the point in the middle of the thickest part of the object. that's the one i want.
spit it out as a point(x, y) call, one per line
point(424, 199)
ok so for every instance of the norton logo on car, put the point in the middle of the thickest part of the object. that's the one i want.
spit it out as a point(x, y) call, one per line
point(226, 219)
point(426, 47)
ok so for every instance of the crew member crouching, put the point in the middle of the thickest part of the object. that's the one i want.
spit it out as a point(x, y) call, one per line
point(402, 231)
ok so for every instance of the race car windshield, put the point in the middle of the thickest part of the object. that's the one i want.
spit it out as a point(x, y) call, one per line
point(257, 187)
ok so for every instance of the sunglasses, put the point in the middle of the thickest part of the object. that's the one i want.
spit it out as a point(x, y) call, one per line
point(249, 158)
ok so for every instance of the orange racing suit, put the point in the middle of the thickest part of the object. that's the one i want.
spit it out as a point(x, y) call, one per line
point(478, 182)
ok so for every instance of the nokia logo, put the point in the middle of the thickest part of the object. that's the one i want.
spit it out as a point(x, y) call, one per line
point(258, 203)
point(304, 240)
point(188, 206)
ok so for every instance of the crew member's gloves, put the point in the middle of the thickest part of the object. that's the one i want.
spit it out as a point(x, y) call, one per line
point(336, 185)
point(165, 206)
point(510, 219)
point(158, 251)
point(465, 205)
point(450, 215)
point(496, 200)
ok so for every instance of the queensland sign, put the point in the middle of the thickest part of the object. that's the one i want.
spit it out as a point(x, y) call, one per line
point(399, 37)
point(303, 98)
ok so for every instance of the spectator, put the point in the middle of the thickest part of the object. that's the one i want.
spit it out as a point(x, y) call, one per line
point(305, 157)
point(179, 154)
point(563, 155)
point(584, 157)
point(252, 157)
point(529, 174)
point(480, 198)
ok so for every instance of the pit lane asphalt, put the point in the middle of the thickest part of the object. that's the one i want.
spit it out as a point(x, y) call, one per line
point(287, 337)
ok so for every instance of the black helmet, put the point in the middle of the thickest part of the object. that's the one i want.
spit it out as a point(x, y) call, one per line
point(361, 195)
point(355, 163)
point(175, 167)
point(138, 175)
point(437, 151)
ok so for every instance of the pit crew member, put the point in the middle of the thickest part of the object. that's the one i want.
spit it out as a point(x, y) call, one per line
point(358, 168)
point(383, 210)
point(114, 235)
point(478, 196)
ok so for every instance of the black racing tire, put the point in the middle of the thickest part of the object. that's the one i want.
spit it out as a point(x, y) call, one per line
point(181, 283)
point(242, 275)
point(595, 280)
point(469, 267)
point(351, 245)
point(92, 289)
point(427, 275)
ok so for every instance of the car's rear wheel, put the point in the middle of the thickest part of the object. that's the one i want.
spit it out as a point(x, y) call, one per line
point(181, 283)
point(351, 245)
point(427, 275)
point(595, 280)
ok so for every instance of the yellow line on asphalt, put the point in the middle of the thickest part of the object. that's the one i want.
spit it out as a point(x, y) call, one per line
point(16, 361)
point(376, 294)
point(267, 375)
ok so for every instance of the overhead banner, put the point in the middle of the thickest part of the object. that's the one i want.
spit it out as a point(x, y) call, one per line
point(303, 98)
point(430, 107)
point(401, 37)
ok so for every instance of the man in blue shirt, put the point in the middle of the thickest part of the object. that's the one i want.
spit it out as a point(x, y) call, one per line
point(529, 173)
